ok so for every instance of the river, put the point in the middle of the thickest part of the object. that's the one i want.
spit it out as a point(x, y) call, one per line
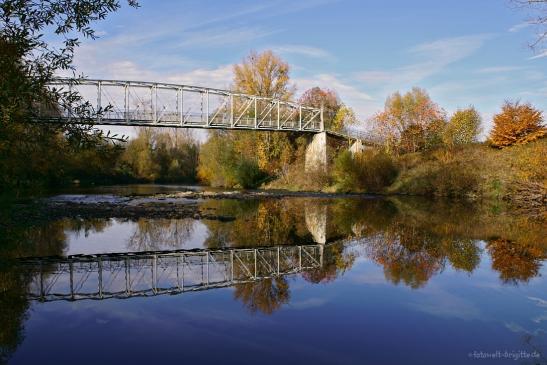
point(272, 280)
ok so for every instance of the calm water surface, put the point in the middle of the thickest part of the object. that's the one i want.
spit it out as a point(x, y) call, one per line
point(282, 281)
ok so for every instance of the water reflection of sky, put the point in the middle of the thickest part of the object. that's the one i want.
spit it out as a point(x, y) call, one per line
point(396, 291)
point(127, 236)
point(358, 318)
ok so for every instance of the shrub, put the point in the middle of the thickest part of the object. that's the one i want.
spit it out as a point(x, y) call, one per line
point(455, 180)
point(378, 170)
point(451, 179)
point(369, 171)
point(517, 124)
point(345, 171)
point(248, 175)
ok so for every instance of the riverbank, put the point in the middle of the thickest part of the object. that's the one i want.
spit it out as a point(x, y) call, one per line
point(200, 205)
point(515, 176)
point(170, 205)
point(152, 201)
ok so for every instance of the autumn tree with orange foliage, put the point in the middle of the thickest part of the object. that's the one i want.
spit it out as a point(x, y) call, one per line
point(517, 124)
point(516, 262)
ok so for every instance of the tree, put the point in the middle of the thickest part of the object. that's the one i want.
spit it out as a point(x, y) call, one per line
point(31, 153)
point(170, 156)
point(233, 158)
point(517, 124)
point(28, 63)
point(323, 98)
point(217, 159)
point(408, 121)
point(538, 19)
point(345, 116)
point(138, 156)
point(463, 127)
point(263, 74)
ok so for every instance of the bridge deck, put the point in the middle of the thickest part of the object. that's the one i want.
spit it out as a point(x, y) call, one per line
point(135, 103)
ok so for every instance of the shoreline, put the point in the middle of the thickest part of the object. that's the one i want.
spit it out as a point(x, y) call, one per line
point(178, 204)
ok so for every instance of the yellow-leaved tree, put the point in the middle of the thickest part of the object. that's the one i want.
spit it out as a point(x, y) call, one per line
point(245, 158)
point(264, 74)
point(463, 127)
point(517, 124)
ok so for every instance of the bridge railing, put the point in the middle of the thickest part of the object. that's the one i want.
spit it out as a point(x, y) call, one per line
point(118, 102)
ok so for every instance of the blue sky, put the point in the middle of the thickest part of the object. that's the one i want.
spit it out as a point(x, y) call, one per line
point(462, 52)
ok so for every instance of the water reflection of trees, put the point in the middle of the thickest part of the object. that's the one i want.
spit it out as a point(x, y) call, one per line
point(414, 257)
point(412, 239)
point(14, 305)
point(17, 239)
point(516, 262)
point(336, 260)
point(160, 234)
point(423, 237)
point(86, 226)
point(265, 296)
point(269, 222)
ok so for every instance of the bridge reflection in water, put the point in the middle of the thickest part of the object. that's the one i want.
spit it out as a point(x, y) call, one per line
point(143, 274)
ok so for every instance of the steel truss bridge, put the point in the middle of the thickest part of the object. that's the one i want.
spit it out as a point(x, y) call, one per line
point(144, 274)
point(136, 103)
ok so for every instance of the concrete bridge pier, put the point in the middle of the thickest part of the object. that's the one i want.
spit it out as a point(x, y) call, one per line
point(316, 153)
point(357, 147)
point(322, 147)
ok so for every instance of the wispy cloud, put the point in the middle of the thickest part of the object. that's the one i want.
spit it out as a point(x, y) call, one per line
point(219, 77)
point(223, 36)
point(238, 13)
point(539, 55)
point(303, 50)
point(517, 27)
point(331, 81)
point(498, 69)
point(434, 57)
point(269, 9)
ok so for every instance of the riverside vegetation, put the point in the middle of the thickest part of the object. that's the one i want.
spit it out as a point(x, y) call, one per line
point(418, 149)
